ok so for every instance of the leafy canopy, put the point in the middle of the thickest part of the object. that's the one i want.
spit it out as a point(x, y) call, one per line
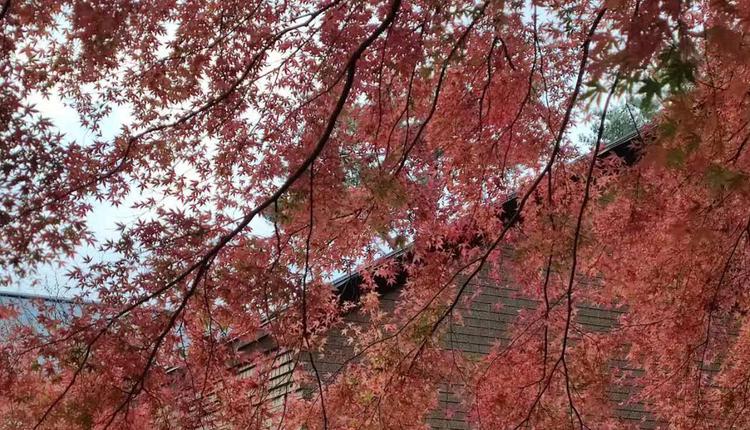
point(350, 128)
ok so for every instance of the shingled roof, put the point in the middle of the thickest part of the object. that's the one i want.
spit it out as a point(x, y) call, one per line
point(495, 305)
point(627, 148)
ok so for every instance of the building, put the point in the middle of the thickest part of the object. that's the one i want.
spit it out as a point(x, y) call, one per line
point(27, 308)
point(485, 321)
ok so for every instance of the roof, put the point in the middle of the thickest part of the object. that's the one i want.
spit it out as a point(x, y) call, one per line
point(347, 286)
point(28, 308)
point(14, 295)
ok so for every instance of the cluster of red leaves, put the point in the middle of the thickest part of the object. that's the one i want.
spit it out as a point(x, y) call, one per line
point(354, 126)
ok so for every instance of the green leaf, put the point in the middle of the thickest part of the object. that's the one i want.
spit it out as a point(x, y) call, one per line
point(720, 178)
point(676, 158)
point(650, 88)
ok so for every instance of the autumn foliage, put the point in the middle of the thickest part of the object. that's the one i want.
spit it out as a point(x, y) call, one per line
point(354, 128)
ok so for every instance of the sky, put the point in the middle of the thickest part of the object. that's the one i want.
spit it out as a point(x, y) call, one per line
point(103, 219)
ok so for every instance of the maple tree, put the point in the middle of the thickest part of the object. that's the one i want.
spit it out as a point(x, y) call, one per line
point(354, 127)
